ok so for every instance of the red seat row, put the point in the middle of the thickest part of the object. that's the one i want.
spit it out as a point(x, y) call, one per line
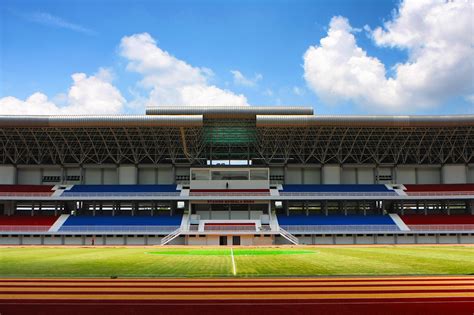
point(437, 219)
point(440, 188)
point(27, 220)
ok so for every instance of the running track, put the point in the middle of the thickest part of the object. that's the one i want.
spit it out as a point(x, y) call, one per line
point(349, 295)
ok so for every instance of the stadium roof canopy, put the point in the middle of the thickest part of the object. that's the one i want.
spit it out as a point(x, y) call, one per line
point(266, 135)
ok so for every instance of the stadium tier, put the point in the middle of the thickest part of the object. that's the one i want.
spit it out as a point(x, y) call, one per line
point(342, 190)
point(121, 190)
point(229, 175)
point(16, 223)
point(125, 224)
point(337, 223)
point(439, 222)
point(436, 189)
point(26, 190)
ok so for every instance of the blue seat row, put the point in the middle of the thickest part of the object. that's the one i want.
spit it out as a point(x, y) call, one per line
point(336, 188)
point(123, 220)
point(335, 220)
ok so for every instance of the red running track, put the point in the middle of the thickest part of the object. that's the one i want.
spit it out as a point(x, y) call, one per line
point(348, 295)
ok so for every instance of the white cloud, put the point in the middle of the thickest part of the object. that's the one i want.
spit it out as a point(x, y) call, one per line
point(93, 94)
point(240, 79)
point(49, 19)
point(440, 58)
point(172, 81)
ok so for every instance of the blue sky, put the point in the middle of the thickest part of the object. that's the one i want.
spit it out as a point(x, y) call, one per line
point(43, 43)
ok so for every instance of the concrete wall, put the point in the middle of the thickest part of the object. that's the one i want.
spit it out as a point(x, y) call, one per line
point(29, 176)
point(470, 174)
point(293, 174)
point(7, 174)
point(349, 175)
point(454, 174)
point(365, 175)
point(405, 175)
point(428, 175)
point(331, 174)
point(246, 240)
point(128, 175)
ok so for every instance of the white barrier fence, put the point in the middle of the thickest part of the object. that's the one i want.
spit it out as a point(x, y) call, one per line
point(339, 228)
point(442, 227)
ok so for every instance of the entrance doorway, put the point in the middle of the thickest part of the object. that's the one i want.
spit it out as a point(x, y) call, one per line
point(222, 240)
point(235, 240)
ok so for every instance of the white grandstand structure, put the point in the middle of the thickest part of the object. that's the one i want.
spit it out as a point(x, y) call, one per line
point(202, 175)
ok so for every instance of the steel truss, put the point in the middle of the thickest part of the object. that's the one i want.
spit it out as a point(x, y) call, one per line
point(155, 145)
point(366, 145)
point(99, 145)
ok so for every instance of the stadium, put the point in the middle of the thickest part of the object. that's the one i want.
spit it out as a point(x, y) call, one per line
point(236, 176)
point(201, 209)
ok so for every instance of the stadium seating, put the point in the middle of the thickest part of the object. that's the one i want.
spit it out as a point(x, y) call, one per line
point(120, 190)
point(26, 223)
point(454, 223)
point(435, 189)
point(437, 219)
point(162, 223)
point(26, 190)
point(367, 189)
point(336, 223)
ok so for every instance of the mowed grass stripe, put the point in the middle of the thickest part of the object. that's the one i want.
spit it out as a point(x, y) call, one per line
point(216, 297)
point(244, 289)
point(240, 284)
point(251, 262)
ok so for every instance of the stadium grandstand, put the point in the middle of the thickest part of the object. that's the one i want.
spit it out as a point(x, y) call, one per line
point(199, 175)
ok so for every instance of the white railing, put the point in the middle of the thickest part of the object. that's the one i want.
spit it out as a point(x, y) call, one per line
point(339, 228)
point(168, 238)
point(119, 228)
point(26, 194)
point(440, 193)
point(322, 194)
point(442, 227)
point(24, 228)
point(293, 239)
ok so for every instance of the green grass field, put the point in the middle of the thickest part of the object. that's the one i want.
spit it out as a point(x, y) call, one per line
point(249, 262)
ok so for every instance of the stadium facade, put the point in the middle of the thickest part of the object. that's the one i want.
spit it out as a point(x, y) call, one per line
point(202, 175)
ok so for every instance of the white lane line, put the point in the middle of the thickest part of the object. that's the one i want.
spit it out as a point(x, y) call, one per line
point(234, 270)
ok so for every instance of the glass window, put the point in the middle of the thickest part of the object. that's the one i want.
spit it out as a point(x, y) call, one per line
point(230, 175)
point(200, 174)
point(259, 174)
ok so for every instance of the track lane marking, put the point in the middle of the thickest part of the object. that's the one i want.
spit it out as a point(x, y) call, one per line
point(239, 296)
point(217, 290)
point(241, 284)
point(263, 279)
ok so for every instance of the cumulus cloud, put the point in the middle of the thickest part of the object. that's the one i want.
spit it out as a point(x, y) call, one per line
point(240, 79)
point(438, 38)
point(172, 81)
point(93, 94)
